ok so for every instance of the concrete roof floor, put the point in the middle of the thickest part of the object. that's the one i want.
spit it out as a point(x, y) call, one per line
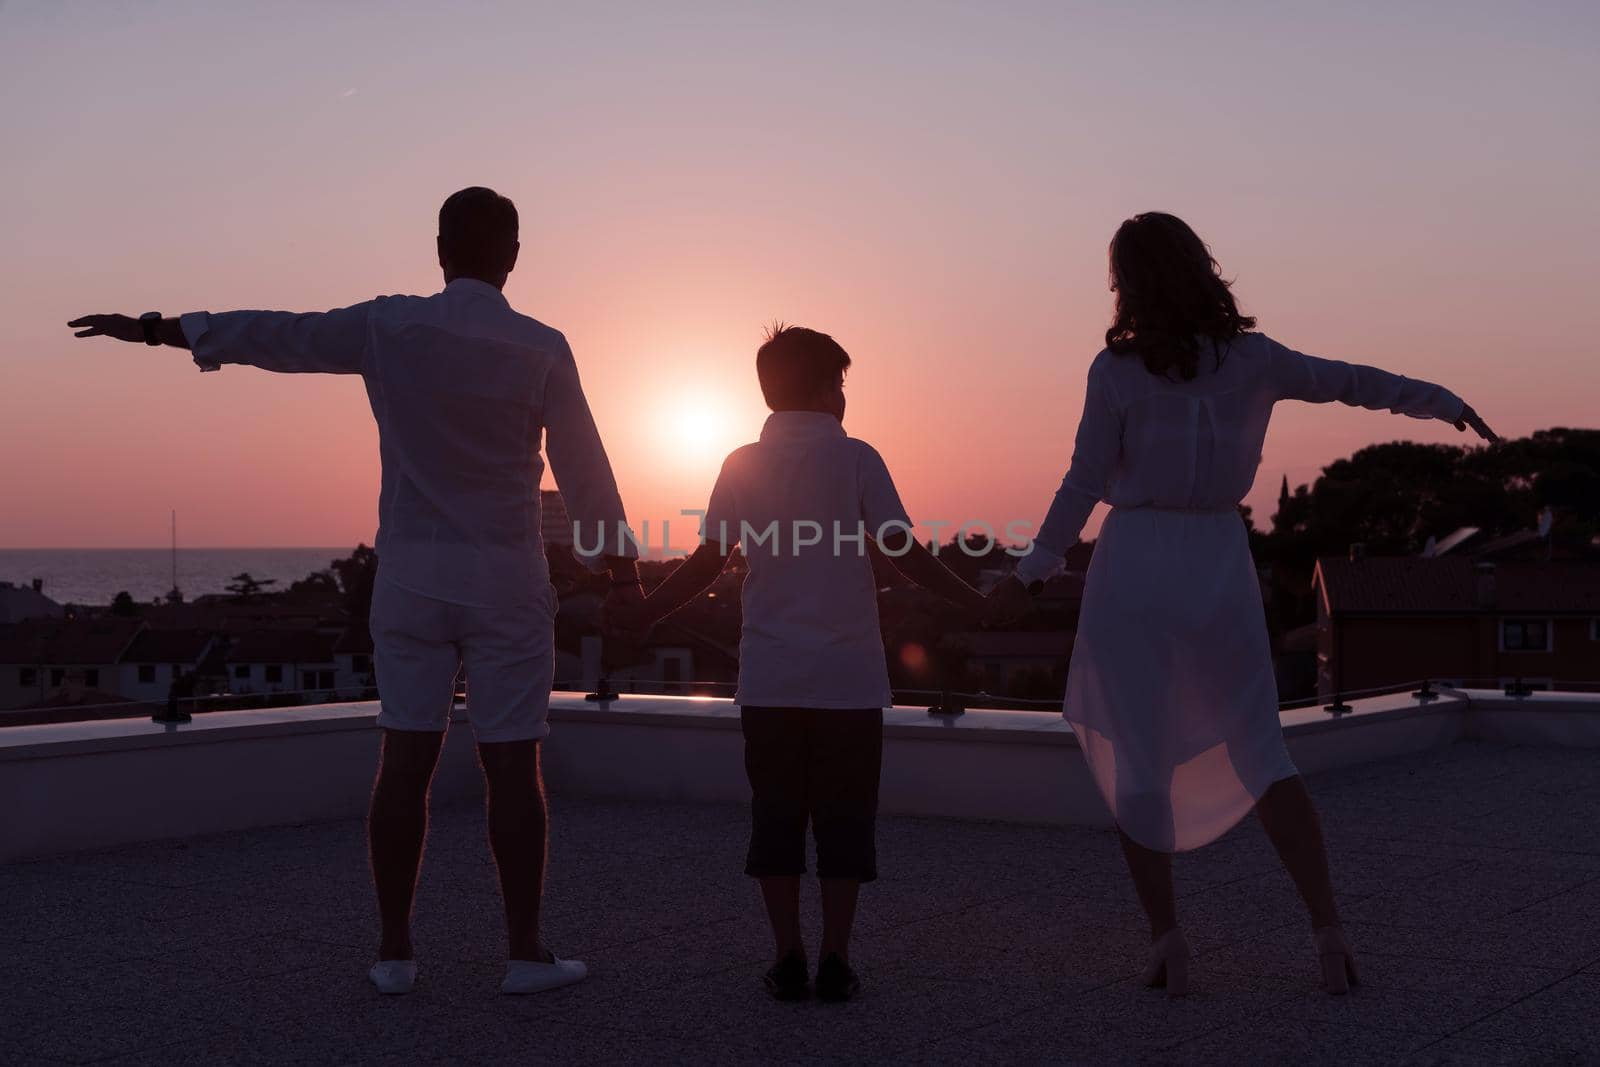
point(1469, 879)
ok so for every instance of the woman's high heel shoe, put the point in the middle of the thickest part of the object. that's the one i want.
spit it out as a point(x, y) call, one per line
point(1338, 965)
point(1169, 964)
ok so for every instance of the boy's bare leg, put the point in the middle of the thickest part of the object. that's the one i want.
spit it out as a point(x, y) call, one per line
point(518, 824)
point(397, 826)
point(838, 916)
point(781, 894)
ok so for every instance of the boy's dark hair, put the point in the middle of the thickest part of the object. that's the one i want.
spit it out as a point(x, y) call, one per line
point(478, 231)
point(797, 365)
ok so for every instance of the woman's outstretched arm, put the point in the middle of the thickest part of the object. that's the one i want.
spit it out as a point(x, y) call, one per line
point(1094, 456)
point(1297, 376)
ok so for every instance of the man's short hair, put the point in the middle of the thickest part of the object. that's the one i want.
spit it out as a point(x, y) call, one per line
point(797, 365)
point(478, 231)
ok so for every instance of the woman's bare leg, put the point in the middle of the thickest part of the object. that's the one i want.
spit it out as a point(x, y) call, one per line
point(1152, 880)
point(1292, 824)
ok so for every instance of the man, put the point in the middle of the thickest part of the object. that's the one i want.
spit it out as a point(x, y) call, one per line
point(461, 387)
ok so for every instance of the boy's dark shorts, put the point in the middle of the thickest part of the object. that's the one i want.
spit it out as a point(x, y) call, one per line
point(818, 765)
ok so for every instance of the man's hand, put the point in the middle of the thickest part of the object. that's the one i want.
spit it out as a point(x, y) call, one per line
point(620, 614)
point(1481, 428)
point(128, 328)
point(121, 327)
point(1007, 602)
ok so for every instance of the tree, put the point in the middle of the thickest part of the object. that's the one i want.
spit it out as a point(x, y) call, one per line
point(356, 573)
point(1392, 497)
point(323, 581)
point(123, 604)
point(244, 587)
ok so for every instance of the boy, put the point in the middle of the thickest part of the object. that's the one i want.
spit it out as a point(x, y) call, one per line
point(804, 500)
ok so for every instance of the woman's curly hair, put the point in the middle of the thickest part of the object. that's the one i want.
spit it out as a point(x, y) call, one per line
point(1170, 294)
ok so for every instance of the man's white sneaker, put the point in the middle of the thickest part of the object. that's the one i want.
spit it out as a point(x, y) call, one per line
point(394, 977)
point(531, 976)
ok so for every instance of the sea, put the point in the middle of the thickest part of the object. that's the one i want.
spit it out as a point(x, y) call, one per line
point(96, 575)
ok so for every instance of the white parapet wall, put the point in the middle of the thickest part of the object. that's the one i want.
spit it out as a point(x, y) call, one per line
point(72, 786)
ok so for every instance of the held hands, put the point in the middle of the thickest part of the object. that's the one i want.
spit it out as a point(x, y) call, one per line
point(1006, 602)
point(1481, 428)
point(121, 327)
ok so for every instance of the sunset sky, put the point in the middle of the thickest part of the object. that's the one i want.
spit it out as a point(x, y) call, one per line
point(1409, 185)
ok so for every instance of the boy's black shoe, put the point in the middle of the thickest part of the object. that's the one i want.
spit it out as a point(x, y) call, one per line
point(835, 980)
point(787, 979)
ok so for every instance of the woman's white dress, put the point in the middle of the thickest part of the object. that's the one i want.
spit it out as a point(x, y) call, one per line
point(1171, 689)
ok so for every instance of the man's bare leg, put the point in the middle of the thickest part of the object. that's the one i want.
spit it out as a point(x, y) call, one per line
point(518, 822)
point(397, 826)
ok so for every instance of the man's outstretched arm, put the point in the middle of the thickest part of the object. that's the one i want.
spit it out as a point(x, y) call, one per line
point(327, 342)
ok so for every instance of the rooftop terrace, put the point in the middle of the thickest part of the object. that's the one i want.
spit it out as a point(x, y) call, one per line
point(1469, 877)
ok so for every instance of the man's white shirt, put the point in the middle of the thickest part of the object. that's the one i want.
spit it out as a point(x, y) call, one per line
point(462, 388)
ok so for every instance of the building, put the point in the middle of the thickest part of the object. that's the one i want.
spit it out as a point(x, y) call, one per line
point(19, 602)
point(283, 661)
point(45, 659)
point(158, 658)
point(555, 525)
point(1386, 621)
point(354, 675)
point(1018, 662)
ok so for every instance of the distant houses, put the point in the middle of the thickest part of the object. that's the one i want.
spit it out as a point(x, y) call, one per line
point(19, 602)
point(158, 658)
point(112, 660)
point(1385, 621)
point(58, 660)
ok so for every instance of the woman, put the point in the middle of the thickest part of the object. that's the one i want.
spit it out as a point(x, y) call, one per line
point(1171, 690)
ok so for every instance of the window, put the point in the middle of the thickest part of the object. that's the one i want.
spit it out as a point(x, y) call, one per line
point(316, 679)
point(1524, 635)
point(274, 672)
point(91, 677)
point(27, 677)
point(147, 674)
point(57, 677)
point(241, 670)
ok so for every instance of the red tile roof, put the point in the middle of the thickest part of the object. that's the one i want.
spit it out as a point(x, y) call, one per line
point(281, 646)
point(87, 642)
point(1450, 585)
point(168, 646)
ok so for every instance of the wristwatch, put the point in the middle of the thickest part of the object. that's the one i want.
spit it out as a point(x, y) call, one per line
point(148, 322)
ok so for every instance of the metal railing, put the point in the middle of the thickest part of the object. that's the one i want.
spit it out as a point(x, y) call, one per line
point(947, 702)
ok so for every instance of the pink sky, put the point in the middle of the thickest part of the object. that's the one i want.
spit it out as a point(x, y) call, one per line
point(933, 184)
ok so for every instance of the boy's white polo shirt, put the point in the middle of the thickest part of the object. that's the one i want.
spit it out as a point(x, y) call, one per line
point(802, 501)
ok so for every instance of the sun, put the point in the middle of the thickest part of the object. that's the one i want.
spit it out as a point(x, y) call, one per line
point(697, 426)
point(700, 430)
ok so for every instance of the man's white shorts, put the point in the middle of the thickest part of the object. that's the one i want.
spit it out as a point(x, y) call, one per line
point(420, 645)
